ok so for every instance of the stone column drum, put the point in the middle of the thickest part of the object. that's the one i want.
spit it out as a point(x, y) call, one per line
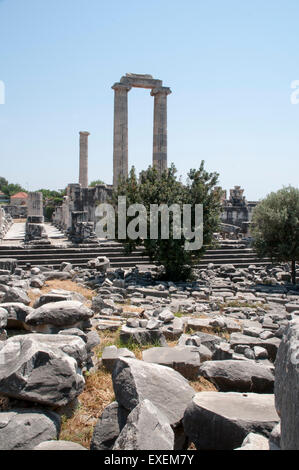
point(160, 128)
point(120, 138)
point(83, 170)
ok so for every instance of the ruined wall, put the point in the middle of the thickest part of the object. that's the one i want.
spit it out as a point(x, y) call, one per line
point(80, 199)
point(237, 210)
point(5, 223)
point(16, 212)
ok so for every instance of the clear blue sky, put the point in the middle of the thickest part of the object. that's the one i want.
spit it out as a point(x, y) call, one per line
point(229, 64)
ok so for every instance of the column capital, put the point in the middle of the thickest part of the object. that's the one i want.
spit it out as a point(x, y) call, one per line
point(162, 90)
point(121, 87)
point(84, 133)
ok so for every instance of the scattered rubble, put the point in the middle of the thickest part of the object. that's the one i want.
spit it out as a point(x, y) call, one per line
point(231, 327)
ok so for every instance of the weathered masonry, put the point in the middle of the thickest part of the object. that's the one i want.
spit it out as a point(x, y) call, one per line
point(237, 211)
point(120, 139)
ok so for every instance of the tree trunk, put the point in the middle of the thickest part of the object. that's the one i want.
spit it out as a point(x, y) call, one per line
point(294, 271)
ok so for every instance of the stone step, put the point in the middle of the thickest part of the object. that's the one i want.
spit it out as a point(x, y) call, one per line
point(251, 254)
point(32, 255)
point(123, 262)
point(227, 253)
point(241, 259)
point(238, 264)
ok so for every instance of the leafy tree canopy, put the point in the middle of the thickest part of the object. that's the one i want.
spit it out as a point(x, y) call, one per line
point(11, 189)
point(51, 199)
point(3, 183)
point(165, 188)
point(276, 227)
point(95, 183)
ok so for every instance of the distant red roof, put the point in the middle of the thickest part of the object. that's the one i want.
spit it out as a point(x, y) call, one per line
point(20, 196)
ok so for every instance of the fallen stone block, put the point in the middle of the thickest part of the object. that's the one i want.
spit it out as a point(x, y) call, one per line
point(255, 442)
point(287, 386)
point(184, 359)
point(15, 294)
point(146, 429)
point(101, 264)
point(238, 376)
point(174, 329)
point(50, 318)
point(17, 314)
point(108, 427)
point(222, 352)
point(59, 445)
point(271, 345)
point(3, 318)
point(23, 429)
point(32, 370)
point(57, 296)
point(71, 345)
point(169, 391)
point(221, 421)
point(292, 307)
point(62, 276)
point(275, 436)
point(142, 336)
point(210, 341)
point(99, 303)
point(111, 354)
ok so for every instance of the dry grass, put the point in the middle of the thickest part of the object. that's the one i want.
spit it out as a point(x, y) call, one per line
point(97, 394)
point(202, 385)
point(67, 284)
point(108, 338)
point(98, 391)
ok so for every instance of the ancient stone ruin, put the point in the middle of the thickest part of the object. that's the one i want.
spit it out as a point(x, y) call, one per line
point(35, 228)
point(83, 168)
point(120, 141)
point(5, 222)
point(208, 364)
point(82, 200)
point(244, 358)
point(236, 212)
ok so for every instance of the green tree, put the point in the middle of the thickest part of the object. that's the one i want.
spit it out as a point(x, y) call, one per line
point(3, 183)
point(165, 188)
point(11, 189)
point(276, 227)
point(51, 199)
point(95, 183)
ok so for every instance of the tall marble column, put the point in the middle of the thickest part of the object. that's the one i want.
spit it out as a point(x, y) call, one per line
point(120, 138)
point(160, 127)
point(83, 169)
